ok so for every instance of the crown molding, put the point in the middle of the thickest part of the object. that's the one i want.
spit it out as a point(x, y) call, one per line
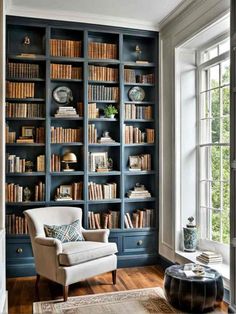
point(74, 16)
point(175, 12)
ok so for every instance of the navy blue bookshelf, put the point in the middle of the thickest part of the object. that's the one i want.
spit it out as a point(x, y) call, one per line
point(137, 246)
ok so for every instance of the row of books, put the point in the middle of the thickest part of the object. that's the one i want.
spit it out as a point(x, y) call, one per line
point(24, 110)
point(16, 224)
point(98, 73)
point(65, 71)
point(16, 193)
point(133, 111)
point(38, 136)
point(102, 191)
point(20, 90)
point(98, 50)
point(70, 192)
point(140, 162)
point(92, 134)
point(130, 76)
point(101, 92)
point(22, 70)
point(141, 218)
point(135, 135)
point(65, 48)
point(109, 220)
point(93, 111)
point(55, 165)
point(66, 135)
point(15, 164)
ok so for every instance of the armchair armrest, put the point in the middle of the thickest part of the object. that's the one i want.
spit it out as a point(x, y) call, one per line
point(49, 242)
point(98, 235)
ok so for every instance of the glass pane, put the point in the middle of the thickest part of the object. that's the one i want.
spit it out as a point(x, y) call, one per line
point(214, 76)
point(225, 72)
point(215, 163)
point(225, 130)
point(215, 195)
point(223, 47)
point(205, 56)
point(213, 53)
point(215, 102)
point(225, 100)
point(205, 126)
point(204, 105)
point(215, 130)
point(225, 213)
point(215, 223)
point(226, 162)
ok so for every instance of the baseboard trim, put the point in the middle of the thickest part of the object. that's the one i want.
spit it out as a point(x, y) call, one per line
point(20, 270)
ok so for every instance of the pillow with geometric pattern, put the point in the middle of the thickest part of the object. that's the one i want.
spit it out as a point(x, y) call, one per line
point(65, 233)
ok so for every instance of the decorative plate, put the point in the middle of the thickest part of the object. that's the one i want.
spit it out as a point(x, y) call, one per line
point(62, 95)
point(136, 93)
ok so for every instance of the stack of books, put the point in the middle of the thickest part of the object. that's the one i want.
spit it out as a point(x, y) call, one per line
point(105, 139)
point(210, 257)
point(64, 111)
point(139, 191)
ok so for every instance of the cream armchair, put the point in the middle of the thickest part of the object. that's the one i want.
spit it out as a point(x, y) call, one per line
point(67, 263)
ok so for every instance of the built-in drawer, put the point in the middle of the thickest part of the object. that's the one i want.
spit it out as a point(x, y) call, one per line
point(18, 250)
point(138, 243)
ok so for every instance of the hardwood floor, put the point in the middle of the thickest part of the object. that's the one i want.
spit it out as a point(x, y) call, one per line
point(21, 293)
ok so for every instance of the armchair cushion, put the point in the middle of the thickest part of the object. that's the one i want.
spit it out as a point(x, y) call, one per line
point(65, 233)
point(74, 253)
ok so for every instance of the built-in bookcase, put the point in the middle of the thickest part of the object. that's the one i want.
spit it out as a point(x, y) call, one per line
point(99, 65)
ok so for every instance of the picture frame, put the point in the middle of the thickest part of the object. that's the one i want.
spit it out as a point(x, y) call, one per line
point(98, 159)
point(134, 163)
point(28, 131)
point(65, 190)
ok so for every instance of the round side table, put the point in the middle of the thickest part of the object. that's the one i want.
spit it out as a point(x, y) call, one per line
point(193, 294)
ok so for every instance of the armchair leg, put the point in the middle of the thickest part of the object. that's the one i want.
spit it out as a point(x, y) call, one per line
point(114, 277)
point(37, 287)
point(65, 292)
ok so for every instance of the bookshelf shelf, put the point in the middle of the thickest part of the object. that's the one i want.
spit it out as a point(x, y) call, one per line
point(137, 200)
point(135, 173)
point(66, 118)
point(67, 173)
point(25, 144)
point(25, 99)
point(99, 174)
point(26, 174)
point(139, 84)
point(105, 201)
point(110, 76)
point(139, 120)
point(67, 80)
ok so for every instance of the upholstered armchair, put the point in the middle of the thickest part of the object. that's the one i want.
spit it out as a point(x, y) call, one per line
point(68, 263)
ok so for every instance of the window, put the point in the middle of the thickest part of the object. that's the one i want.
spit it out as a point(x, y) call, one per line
point(213, 147)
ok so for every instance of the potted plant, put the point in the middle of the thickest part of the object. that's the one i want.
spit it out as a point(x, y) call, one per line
point(110, 111)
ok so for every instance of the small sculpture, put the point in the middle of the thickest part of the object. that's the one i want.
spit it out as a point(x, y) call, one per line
point(138, 52)
point(27, 194)
point(26, 41)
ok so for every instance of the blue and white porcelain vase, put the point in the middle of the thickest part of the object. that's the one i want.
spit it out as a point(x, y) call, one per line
point(190, 236)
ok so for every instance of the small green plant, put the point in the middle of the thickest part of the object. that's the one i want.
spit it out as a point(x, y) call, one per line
point(110, 111)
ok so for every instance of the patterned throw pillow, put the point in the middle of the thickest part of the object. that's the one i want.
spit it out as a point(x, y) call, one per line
point(65, 233)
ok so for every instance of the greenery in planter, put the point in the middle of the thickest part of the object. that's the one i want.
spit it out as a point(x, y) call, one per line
point(110, 111)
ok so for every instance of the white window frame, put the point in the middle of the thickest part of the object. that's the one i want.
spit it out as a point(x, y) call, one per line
point(201, 215)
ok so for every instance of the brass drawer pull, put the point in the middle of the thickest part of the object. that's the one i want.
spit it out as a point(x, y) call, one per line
point(140, 242)
point(19, 250)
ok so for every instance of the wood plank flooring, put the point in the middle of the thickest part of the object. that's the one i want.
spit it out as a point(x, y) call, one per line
point(21, 293)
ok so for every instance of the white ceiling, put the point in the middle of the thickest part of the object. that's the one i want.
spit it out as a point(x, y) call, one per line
point(115, 12)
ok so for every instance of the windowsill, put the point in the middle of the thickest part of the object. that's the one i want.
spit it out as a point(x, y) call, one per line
point(223, 269)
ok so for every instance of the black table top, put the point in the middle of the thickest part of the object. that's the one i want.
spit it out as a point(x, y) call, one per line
point(177, 271)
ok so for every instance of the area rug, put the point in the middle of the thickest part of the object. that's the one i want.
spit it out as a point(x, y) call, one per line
point(141, 301)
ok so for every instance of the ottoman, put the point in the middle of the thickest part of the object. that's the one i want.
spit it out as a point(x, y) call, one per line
point(193, 294)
